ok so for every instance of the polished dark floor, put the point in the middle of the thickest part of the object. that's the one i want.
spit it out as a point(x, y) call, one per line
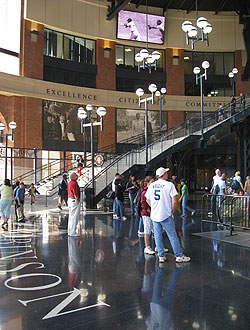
point(103, 281)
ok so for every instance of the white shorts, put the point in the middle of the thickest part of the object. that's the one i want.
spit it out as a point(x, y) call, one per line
point(148, 225)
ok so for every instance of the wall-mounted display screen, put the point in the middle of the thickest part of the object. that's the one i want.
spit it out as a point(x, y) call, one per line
point(140, 27)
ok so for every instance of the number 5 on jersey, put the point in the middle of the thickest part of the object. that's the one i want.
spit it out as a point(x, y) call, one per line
point(157, 195)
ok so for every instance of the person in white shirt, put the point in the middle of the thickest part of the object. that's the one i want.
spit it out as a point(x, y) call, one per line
point(214, 191)
point(161, 196)
point(133, 29)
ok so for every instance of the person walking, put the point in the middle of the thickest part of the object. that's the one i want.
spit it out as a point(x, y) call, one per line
point(63, 191)
point(214, 190)
point(117, 176)
point(74, 205)
point(132, 187)
point(221, 112)
point(119, 197)
point(184, 199)
point(236, 183)
point(5, 202)
point(161, 196)
point(232, 105)
point(32, 193)
point(19, 199)
point(242, 102)
point(247, 186)
point(137, 201)
point(14, 195)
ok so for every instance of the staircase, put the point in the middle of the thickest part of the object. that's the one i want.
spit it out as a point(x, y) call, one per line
point(169, 142)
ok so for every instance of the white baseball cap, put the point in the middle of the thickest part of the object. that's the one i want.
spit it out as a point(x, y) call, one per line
point(160, 171)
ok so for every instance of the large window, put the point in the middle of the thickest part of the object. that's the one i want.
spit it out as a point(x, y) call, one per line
point(220, 65)
point(68, 47)
point(125, 57)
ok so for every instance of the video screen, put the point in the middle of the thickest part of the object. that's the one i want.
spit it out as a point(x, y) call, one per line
point(137, 26)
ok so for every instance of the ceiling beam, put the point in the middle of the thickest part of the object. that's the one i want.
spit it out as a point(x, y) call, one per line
point(191, 7)
point(221, 6)
point(139, 3)
point(116, 10)
point(168, 3)
point(181, 4)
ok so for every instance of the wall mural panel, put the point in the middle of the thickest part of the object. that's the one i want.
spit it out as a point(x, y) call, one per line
point(131, 122)
point(60, 122)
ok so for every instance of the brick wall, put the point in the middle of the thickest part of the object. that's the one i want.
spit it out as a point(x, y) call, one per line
point(241, 86)
point(106, 79)
point(175, 82)
point(175, 118)
point(31, 51)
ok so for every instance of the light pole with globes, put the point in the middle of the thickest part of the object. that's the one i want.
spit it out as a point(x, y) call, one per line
point(140, 92)
point(160, 100)
point(199, 76)
point(82, 115)
point(232, 76)
point(12, 126)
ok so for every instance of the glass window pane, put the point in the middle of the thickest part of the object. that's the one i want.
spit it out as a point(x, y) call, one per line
point(59, 45)
point(228, 63)
point(79, 50)
point(119, 55)
point(197, 59)
point(68, 47)
point(188, 63)
point(218, 63)
point(129, 56)
point(90, 51)
point(210, 58)
point(161, 61)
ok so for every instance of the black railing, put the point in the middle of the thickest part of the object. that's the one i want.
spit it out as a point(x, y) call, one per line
point(230, 211)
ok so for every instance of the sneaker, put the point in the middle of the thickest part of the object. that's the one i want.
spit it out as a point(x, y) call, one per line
point(140, 233)
point(183, 258)
point(162, 259)
point(124, 218)
point(60, 207)
point(193, 212)
point(183, 216)
point(148, 250)
point(165, 250)
point(115, 216)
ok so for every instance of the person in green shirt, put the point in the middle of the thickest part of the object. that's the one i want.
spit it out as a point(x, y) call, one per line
point(184, 199)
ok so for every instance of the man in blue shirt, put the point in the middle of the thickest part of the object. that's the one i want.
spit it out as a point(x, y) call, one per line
point(19, 199)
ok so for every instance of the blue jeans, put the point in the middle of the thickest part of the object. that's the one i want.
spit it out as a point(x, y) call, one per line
point(132, 205)
point(232, 110)
point(119, 207)
point(185, 206)
point(166, 300)
point(169, 227)
point(141, 226)
point(114, 207)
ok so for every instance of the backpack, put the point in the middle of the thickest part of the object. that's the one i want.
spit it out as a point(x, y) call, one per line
point(216, 189)
point(235, 185)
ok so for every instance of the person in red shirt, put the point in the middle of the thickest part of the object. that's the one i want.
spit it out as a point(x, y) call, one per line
point(74, 205)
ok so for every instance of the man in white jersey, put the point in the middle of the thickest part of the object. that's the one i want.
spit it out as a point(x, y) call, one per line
point(161, 196)
point(133, 29)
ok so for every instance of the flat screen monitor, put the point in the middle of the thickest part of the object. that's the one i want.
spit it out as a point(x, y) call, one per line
point(139, 26)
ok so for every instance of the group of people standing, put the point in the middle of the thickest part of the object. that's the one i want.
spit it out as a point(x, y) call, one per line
point(155, 203)
point(8, 194)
